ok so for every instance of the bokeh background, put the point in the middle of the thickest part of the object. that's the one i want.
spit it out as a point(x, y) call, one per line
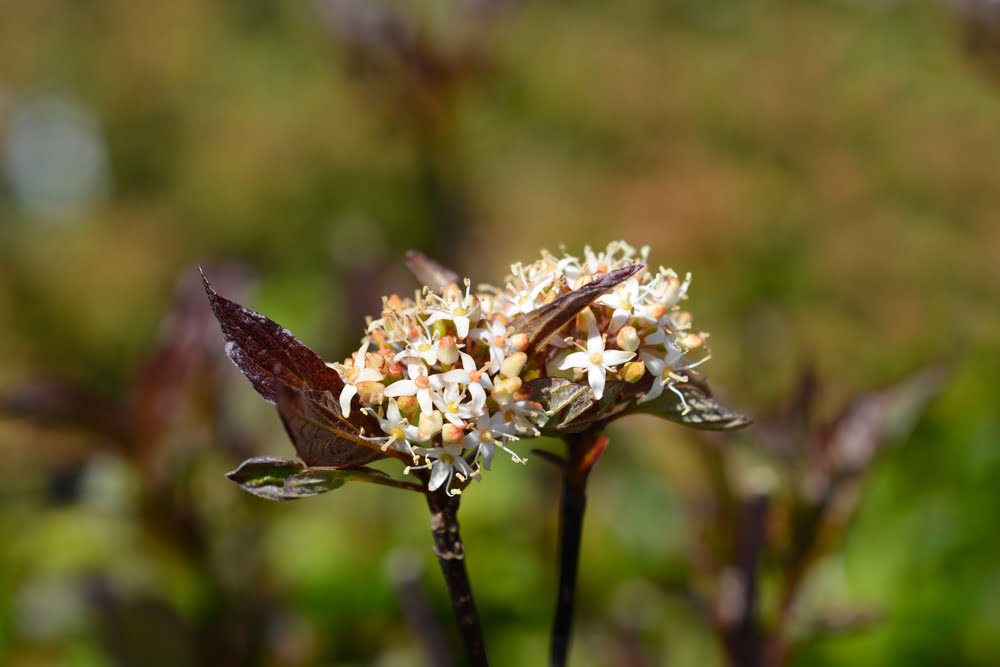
point(829, 171)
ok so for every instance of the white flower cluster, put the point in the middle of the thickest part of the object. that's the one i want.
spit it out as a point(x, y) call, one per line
point(447, 380)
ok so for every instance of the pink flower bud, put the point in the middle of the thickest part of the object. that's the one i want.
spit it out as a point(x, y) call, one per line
point(519, 341)
point(692, 341)
point(447, 350)
point(451, 433)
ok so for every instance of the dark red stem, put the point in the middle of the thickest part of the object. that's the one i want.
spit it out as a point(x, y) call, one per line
point(584, 450)
point(450, 553)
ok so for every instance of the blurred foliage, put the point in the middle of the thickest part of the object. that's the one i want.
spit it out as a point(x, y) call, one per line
point(824, 169)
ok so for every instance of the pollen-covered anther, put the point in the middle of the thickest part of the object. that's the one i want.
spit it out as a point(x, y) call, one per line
point(628, 339)
point(513, 365)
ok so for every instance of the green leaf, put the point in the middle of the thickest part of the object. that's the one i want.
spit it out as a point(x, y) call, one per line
point(280, 479)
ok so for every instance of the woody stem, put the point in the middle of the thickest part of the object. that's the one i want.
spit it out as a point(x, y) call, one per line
point(450, 552)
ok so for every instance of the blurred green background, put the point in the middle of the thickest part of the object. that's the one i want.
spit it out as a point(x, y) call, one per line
point(829, 171)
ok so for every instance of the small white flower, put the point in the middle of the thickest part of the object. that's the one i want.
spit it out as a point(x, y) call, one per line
point(524, 297)
point(476, 379)
point(451, 406)
point(418, 385)
point(422, 347)
point(525, 415)
point(447, 462)
point(625, 299)
point(662, 370)
point(596, 361)
point(496, 338)
point(399, 429)
point(455, 307)
point(488, 434)
point(354, 375)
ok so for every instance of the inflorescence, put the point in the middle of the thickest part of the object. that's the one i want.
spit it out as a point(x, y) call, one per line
point(445, 374)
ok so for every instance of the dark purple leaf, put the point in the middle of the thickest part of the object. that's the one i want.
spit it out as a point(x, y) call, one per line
point(267, 353)
point(541, 323)
point(322, 437)
point(862, 430)
point(429, 272)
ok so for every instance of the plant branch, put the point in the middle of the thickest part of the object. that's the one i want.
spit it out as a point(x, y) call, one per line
point(584, 450)
point(450, 553)
point(743, 638)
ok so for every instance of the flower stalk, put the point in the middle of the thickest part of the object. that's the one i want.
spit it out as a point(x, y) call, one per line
point(583, 452)
point(450, 553)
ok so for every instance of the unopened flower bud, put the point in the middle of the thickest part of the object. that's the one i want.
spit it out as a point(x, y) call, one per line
point(673, 289)
point(371, 392)
point(373, 360)
point(518, 341)
point(447, 350)
point(691, 341)
point(407, 405)
point(512, 365)
point(633, 371)
point(628, 339)
point(682, 319)
point(450, 433)
point(585, 319)
point(506, 388)
point(430, 425)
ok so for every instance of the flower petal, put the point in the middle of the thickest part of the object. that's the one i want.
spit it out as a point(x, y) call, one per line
point(401, 388)
point(575, 360)
point(345, 399)
point(440, 472)
point(424, 401)
point(616, 357)
point(595, 376)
